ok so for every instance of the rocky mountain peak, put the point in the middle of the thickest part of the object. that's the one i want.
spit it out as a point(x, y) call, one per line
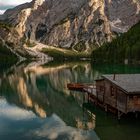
point(37, 3)
point(68, 23)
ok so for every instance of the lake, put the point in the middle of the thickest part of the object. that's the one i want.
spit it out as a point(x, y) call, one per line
point(36, 104)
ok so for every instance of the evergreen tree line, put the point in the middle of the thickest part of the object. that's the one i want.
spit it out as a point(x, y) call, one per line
point(124, 47)
point(6, 56)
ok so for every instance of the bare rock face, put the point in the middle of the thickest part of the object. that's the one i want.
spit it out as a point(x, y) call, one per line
point(9, 35)
point(10, 39)
point(122, 14)
point(66, 23)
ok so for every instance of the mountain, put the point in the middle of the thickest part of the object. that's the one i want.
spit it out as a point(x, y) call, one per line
point(72, 23)
point(123, 49)
point(11, 44)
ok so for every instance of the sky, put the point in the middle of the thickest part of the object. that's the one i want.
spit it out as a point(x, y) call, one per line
point(12, 2)
point(5, 4)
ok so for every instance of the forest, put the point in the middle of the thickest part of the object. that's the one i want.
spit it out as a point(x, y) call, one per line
point(124, 48)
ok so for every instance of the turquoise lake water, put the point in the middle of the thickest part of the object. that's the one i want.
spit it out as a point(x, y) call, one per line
point(36, 104)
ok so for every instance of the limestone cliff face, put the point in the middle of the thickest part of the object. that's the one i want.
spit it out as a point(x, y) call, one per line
point(65, 23)
point(11, 40)
point(122, 14)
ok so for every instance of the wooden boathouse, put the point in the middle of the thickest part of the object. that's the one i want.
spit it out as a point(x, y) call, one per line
point(119, 92)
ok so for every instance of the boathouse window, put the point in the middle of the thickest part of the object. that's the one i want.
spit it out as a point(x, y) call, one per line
point(113, 91)
point(136, 100)
point(101, 88)
point(121, 96)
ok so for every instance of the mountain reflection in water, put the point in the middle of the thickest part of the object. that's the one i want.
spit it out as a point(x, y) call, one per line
point(36, 101)
point(35, 104)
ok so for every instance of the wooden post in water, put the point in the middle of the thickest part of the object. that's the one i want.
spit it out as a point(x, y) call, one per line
point(88, 97)
point(136, 115)
point(119, 114)
point(114, 77)
point(106, 108)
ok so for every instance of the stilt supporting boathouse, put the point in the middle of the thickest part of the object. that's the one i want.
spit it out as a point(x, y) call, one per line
point(119, 93)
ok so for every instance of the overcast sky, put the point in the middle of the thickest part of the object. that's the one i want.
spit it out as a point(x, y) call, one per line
point(4, 4)
point(12, 2)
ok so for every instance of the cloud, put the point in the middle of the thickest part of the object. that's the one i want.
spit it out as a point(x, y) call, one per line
point(13, 112)
point(12, 2)
point(1, 12)
point(4, 5)
point(56, 128)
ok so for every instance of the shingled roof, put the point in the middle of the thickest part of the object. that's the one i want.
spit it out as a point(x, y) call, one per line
point(128, 82)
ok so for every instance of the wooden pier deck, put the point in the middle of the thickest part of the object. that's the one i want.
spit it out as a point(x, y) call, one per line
point(90, 90)
point(111, 95)
point(80, 87)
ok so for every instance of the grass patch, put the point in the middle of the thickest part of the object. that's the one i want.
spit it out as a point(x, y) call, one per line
point(30, 44)
point(80, 47)
point(64, 54)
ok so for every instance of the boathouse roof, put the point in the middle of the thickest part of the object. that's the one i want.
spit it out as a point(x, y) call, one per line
point(128, 82)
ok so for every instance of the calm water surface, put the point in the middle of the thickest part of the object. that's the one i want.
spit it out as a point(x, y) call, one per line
point(35, 104)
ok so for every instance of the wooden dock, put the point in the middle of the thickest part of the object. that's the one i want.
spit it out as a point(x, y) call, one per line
point(118, 94)
point(80, 87)
point(90, 90)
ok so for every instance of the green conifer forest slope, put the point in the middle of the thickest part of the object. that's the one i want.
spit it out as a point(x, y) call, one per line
point(6, 56)
point(126, 47)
